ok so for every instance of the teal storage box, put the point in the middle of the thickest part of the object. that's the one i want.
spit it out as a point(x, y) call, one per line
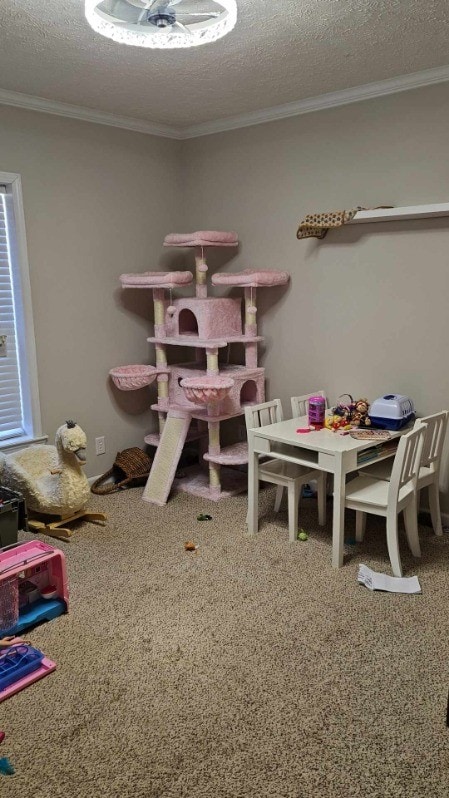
point(13, 516)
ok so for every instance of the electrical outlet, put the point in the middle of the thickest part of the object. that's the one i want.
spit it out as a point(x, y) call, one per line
point(3, 352)
point(100, 445)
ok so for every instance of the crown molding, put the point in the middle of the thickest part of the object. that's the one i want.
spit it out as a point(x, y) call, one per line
point(367, 91)
point(322, 102)
point(31, 103)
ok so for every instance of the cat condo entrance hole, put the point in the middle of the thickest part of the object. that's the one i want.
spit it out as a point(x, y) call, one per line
point(187, 322)
point(248, 393)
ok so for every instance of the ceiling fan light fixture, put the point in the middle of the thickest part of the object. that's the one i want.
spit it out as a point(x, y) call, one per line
point(169, 36)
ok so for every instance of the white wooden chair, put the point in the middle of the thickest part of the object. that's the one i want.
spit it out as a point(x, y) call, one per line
point(282, 473)
point(367, 494)
point(300, 404)
point(429, 472)
point(300, 407)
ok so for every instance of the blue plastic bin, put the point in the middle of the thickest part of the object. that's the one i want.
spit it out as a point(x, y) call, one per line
point(17, 662)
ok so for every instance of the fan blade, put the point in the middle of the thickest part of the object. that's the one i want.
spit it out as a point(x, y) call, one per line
point(147, 8)
point(210, 15)
point(182, 27)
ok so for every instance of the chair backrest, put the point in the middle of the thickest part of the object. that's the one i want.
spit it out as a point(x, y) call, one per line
point(433, 439)
point(300, 404)
point(263, 414)
point(406, 463)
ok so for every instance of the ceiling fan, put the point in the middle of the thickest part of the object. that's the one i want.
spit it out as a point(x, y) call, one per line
point(163, 14)
point(162, 23)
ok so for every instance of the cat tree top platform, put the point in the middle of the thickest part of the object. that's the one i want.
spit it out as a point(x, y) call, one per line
point(202, 238)
point(251, 278)
point(156, 279)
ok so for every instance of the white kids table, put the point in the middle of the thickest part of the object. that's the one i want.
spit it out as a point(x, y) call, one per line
point(324, 450)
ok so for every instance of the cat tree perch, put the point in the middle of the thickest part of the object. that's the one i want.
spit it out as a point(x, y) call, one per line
point(194, 398)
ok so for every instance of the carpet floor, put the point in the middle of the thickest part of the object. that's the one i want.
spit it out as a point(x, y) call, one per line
point(248, 669)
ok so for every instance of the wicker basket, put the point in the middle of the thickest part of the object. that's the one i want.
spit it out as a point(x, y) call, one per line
point(131, 378)
point(131, 468)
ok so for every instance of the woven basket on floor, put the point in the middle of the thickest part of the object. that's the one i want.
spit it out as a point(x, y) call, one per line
point(131, 468)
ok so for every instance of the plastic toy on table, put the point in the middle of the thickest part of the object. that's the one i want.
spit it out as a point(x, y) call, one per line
point(392, 411)
point(316, 411)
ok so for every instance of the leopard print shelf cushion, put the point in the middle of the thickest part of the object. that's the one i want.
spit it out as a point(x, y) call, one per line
point(316, 225)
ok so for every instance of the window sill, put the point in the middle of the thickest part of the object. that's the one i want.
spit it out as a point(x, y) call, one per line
point(14, 444)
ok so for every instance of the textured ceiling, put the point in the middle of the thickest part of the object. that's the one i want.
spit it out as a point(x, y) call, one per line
point(280, 52)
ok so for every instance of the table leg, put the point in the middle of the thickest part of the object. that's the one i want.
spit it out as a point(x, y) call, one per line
point(253, 488)
point(338, 520)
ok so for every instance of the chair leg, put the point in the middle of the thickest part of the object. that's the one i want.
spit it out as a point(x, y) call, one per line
point(279, 495)
point(322, 498)
point(360, 525)
point(411, 528)
point(392, 543)
point(293, 501)
point(434, 505)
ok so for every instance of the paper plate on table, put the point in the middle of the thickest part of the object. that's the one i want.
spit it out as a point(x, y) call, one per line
point(370, 434)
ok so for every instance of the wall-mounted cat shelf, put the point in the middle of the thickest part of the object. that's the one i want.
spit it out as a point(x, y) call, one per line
point(396, 214)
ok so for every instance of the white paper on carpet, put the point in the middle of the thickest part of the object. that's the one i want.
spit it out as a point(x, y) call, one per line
point(392, 584)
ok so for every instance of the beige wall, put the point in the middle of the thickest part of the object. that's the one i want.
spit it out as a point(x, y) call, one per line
point(98, 202)
point(366, 310)
point(367, 307)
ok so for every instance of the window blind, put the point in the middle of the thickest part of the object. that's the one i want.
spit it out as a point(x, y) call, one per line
point(11, 405)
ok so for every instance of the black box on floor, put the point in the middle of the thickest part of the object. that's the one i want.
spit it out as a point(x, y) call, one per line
point(13, 516)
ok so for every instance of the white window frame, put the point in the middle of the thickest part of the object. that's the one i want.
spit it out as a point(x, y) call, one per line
point(24, 321)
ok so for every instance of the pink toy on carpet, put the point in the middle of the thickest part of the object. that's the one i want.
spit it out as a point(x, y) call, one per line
point(155, 279)
point(251, 278)
point(202, 238)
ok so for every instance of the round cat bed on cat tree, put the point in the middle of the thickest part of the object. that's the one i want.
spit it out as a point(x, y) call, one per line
point(131, 378)
point(206, 390)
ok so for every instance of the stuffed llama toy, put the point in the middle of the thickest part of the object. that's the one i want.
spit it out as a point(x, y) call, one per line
point(50, 478)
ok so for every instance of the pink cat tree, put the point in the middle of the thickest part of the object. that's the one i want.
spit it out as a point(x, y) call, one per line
point(193, 398)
